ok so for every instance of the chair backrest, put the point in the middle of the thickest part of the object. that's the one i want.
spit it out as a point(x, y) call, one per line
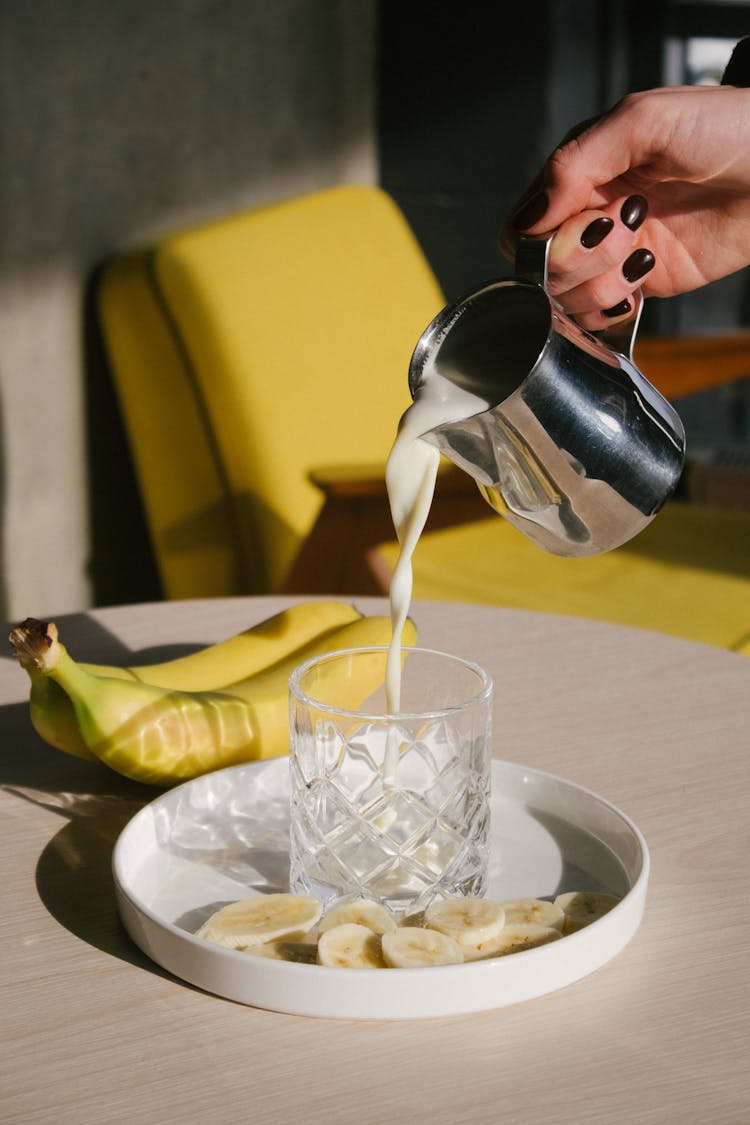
point(247, 353)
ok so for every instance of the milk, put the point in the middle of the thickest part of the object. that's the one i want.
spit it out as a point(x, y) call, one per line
point(410, 476)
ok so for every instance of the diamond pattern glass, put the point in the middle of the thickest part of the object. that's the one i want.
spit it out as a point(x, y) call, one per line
point(405, 834)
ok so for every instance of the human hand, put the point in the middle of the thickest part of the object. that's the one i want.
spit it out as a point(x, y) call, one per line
point(655, 193)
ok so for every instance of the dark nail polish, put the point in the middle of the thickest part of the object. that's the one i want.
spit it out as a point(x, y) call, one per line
point(634, 211)
point(531, 212)
point(638, 264)
point(596, 232)
point(619, 309)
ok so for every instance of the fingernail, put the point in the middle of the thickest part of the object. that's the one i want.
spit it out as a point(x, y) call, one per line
point(634, 211)
point(638, 264)
point(619, 309)
point(531, 212)
point(596, 232)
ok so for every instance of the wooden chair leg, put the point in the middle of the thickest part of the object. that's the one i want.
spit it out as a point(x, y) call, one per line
point(338, 555)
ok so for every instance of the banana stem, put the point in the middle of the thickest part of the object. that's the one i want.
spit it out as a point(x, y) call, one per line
point(35, 644)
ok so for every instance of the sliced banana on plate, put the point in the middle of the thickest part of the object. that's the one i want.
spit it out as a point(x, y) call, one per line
point(304, 952)
point(364, 934)
point(363, 912)
point(410, 947)
point(513, 938)
point(255, 921)
point(537, 910)
point(581, 908)
point(468, 921)
point(350, 946)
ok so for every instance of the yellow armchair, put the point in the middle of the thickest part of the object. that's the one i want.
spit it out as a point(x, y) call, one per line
point(250, 351)
point(261, 362)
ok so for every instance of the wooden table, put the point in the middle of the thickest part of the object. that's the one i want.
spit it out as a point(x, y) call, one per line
point(94, 1032)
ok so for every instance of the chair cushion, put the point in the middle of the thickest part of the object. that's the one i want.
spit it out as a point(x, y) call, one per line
point(299, 321)
point(687, 574)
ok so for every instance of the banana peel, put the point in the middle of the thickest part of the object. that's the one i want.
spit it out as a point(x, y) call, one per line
point(163, 736)
point(212, 667)
point(250, 651)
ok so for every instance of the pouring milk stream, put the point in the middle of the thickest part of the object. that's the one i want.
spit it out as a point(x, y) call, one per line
point(564, 435)
point(411, 472)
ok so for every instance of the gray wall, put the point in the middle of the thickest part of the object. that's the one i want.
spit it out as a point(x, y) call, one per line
point(119, 121)
point(471, 100)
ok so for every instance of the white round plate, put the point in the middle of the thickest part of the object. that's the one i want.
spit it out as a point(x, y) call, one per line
point(224, 837)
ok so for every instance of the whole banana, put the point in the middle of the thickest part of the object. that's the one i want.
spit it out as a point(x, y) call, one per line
point(163, 736)
point(245, 653)
point(258, 647)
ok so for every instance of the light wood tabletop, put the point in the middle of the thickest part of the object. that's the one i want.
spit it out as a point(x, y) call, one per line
point(95, 1032)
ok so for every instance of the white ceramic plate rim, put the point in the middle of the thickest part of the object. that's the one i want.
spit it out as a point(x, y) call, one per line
point(315, 990)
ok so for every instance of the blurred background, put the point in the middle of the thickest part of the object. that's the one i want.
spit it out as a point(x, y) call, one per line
point(123, 121)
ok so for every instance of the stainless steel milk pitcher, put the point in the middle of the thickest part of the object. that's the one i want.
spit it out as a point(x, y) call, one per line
point(576, 448)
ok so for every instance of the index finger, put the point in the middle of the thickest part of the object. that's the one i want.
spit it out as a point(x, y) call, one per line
point(583, 171)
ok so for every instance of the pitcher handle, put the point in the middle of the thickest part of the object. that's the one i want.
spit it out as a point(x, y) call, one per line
point(620, 337)
point(532, 253)
point(532, 257)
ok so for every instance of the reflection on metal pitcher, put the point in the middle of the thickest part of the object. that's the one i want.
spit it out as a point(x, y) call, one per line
point(576, 448)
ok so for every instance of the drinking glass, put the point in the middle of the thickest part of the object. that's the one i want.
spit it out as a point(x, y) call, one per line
point(392, 807)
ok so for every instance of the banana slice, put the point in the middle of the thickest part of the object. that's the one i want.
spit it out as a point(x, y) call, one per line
point(410, 947)
point(469, 921)
point(581, 908)
point(363, 912)
point(533, 910)
point(254, 921)
point(513, 938)
point(350, 946)
point(304, 952)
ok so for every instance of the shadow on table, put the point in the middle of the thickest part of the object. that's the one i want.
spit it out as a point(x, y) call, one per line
point(89, 641)
point(74, 869)
point(73, 873)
